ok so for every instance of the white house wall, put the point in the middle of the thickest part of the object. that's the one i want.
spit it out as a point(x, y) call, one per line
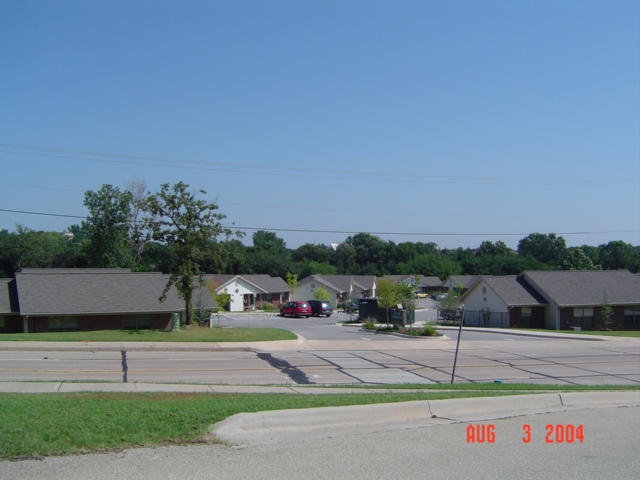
point(306, 291)
point(477, 300)
point(236, 290)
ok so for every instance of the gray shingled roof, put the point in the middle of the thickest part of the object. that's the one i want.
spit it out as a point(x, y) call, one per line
point(465, 280)
point(266, 283)
point(83, 292)
point(342, 283)
point(7, 296)
point(513, 290)
point(587, 287)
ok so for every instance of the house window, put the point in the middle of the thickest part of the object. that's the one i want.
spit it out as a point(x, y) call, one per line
point(269, 297)
point(136, 322)
point(63, 324)
point(632, 316)
point(525, 316)
point(582, 317)
point(2, 324)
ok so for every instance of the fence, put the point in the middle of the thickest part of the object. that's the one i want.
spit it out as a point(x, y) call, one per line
point(486, 319)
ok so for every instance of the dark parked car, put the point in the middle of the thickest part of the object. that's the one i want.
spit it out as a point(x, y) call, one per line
point(319, 307)
point(296, 309)
point(350, 306)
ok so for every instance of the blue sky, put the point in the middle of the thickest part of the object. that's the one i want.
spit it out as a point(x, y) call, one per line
point(448, 122)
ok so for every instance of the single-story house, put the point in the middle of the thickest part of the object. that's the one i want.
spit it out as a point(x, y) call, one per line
point(503, 301)
point(425, 283)
point(454, 281)
point(576, 297)
point(250, 292)
point(339, 287)
point(555, 299)
point(54, 300)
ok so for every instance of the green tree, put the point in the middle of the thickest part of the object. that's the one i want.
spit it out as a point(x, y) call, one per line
point(222, 299)
point(107, 228)
point(27, 248)
point(292, 281)
point(606, 312)
point(321, 294)
point(405, 294)
point(187, 225)
point(576, 259)
point(269, 255)
point(386, 294)
point(617, 255)
point(547, 249)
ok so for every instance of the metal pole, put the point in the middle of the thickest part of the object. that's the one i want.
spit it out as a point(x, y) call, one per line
point(455, 359)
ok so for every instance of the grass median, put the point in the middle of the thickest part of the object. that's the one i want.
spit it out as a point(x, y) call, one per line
point(189, 334)
point(38, 425)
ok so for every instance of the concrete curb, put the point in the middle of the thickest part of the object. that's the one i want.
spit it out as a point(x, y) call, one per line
point(506, 331)
point(306, 424)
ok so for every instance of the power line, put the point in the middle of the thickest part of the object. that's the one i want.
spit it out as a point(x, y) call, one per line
point(303, 171)
point(350, 232)
point(378, 212)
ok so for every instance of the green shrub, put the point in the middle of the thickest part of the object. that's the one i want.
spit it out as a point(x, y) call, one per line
point(369, 324)
point(428, 331)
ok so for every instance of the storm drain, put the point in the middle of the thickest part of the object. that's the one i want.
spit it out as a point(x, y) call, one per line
point(285, 367)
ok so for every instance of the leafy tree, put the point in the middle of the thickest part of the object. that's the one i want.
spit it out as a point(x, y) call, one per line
point(576, 259)
point(107, 227)
point(322, 294)
point(27, 248)
point(311, 252)
point(223, 298)
point(606, 312)
point(617, 255)
point(187, 225)
point(269, 255)
point(292, 281)
point(306, 268)
point(547, 249)
point(405, 294)
point(140, 233)
point(386, 294)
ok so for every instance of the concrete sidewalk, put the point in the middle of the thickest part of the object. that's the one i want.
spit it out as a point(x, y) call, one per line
point(308, 424)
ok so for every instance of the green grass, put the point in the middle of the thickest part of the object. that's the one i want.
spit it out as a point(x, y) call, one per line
point(60, 424)
point(191, 334)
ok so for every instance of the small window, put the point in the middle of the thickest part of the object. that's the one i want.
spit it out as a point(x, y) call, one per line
point(2, 324)
point(582, 317)
point(632, 316)
point(136, 322)
point(63, 324)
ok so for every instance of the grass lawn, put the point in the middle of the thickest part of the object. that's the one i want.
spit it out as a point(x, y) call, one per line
point(61, 424)
point(186, 334)
point(36, 425)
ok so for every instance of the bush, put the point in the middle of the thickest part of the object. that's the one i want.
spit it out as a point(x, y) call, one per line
point(428, 331)
point(369, 324)
point(268, 306)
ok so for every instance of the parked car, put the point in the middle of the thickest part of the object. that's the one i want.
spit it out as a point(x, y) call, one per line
point(296, 309)
point(421, 295)
point(319, 307)
point(350, 306)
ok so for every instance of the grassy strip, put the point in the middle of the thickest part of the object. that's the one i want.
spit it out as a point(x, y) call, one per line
point(507, 388)
point(190, 334)
point(60, 424)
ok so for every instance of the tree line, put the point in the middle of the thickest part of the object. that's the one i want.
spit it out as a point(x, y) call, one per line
point(175, 232)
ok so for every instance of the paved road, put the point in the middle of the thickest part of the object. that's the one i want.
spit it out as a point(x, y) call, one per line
point(609, 450)
point(364, 358)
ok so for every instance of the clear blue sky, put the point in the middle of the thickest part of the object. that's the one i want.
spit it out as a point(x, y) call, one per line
point(461, 120)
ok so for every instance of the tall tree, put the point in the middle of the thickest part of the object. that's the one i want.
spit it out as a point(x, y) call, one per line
point(187, 225)
point(107, 228)
point(139, 231)
point(547, 249)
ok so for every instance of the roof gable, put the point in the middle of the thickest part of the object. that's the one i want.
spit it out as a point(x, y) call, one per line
point(511, 289)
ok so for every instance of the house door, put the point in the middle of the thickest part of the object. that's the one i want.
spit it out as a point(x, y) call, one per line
point(249, 301)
